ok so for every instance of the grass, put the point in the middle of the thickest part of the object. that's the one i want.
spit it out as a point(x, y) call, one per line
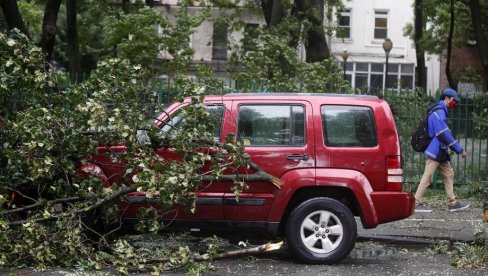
point(474, 193)
point(473, 255)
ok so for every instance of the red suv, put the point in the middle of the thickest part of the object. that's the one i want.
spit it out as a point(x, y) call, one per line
point(338, 156)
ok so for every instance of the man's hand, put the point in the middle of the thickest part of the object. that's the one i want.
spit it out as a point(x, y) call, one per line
point(463, 154)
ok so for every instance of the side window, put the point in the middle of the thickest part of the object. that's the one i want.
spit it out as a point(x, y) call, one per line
point(216, 113)
point(348, 126)
point(271, 125)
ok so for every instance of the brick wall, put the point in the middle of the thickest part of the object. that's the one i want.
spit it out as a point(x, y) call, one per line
point(462, 58)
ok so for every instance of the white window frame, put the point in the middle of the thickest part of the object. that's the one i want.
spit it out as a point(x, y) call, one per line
point(398, 74)
point(380, 14)
point(346, 13)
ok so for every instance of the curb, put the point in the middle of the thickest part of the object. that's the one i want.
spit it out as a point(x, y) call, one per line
point(425, 229)
point(397, 240)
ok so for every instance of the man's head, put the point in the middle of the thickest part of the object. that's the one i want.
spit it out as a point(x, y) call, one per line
point(450, 97)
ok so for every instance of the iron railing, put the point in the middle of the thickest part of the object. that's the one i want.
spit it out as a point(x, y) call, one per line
point(407, 108)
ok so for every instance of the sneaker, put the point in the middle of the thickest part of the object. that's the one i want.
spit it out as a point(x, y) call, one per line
point(421, 208)
point(458, 206)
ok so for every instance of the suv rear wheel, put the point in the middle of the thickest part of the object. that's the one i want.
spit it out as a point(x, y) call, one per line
point(321, 230)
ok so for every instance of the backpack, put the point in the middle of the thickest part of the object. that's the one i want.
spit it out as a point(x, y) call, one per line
point(420, 138)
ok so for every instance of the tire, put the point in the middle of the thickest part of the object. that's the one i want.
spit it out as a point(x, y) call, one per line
point(321, 231)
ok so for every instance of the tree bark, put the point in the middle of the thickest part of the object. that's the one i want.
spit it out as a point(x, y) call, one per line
point(73, 44)
point(228, 254)
point(481, 41)
point(12, 16)
point(49, 29)
point(150, 3)
point(419, 26)
point(449, 48)
point(316, 45)
point(273, 11)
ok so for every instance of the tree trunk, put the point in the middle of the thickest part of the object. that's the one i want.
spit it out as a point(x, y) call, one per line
point(277, 13)
point(73, 44)
point(316, 45)
point(12, 16)
point(267, 7)
point(419, 32)
point(125, 6)
point(49, 29)
point(481, 42)
point(449, 48)
point(273, 11)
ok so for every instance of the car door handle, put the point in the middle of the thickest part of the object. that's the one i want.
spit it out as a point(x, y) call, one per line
point(298, 156)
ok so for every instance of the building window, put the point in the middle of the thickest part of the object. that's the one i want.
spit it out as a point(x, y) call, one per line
point(250, 35)
point(406, 77)
point(380, 24)
point(219, 42)
point(392, 79)
point(369, 77)
point(344, 24)
point(376, 79)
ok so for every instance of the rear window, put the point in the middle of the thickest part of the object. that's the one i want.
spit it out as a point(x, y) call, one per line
point(348, 126)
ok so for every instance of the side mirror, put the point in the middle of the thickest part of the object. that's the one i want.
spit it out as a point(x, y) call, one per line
point(142, 137)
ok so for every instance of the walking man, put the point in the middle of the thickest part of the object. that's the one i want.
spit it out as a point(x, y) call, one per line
point(437, 153)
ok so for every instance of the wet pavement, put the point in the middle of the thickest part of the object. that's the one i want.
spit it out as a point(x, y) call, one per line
point(397, 248)
point(428, 227)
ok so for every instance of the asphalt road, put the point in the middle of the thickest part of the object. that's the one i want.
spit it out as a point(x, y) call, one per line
point(367, 258)
point(397, 248)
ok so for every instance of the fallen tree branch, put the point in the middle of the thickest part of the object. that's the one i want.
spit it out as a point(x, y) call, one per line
point(228, 254)
point(40, 204)
point(19, 222)
point(119, 193)
point(258, 176)
point(91, 207)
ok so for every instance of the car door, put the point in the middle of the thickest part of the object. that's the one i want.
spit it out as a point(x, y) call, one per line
point(278, 136)
point(209, 200)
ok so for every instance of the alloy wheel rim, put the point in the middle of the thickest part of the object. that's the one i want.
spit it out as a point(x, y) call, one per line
point(321, 232)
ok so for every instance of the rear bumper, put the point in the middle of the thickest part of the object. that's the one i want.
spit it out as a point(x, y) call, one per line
point(391, 206)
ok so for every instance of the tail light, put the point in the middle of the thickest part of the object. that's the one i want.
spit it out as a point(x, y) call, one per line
point(394, 173)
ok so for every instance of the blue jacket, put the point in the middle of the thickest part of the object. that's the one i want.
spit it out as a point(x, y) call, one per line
point(442, 137)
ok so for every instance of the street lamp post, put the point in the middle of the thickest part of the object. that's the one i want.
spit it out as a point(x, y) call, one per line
point(345, 55)
point(387, 45)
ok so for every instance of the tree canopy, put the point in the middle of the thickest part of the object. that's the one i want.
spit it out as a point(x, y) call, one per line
point(469, 29)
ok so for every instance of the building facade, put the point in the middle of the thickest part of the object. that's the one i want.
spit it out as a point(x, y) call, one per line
point(364, 25)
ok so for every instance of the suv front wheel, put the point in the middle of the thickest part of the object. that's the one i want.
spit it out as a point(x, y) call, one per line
point(321, 230)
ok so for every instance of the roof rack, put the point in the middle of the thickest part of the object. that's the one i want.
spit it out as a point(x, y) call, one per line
point(300, 94)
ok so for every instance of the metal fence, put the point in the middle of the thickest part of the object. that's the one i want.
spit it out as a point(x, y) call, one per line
point(472, 168)
point(407, 107)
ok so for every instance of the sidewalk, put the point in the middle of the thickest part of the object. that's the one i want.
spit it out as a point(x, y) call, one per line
point(424, 228)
